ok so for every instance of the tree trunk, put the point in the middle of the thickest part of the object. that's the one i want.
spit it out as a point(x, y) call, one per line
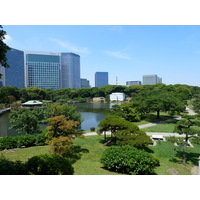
point(158, 114)
point(184, 150)
point(184, 155)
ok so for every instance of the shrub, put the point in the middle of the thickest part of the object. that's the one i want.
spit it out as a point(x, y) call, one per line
point(8, 143)
point(195, 140)
point(133, 136)
point(62, 146)
point(49, 165)
point(40, 139)
point(129, 160)
point(25, 140)
point(8, 167)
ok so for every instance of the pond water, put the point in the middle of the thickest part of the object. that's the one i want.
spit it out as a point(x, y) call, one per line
point(91, 114)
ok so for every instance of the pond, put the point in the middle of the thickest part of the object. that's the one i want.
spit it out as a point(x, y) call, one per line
point(91, 114)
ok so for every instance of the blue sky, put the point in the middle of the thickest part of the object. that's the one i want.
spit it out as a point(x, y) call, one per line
point(126, 51)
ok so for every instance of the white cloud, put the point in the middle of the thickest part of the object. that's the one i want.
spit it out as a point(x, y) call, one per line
point(7, 39)
point(118, 54)
point(70, 47)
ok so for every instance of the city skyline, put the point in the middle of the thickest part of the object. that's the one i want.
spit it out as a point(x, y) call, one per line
point(46, 70)
point(124, 51)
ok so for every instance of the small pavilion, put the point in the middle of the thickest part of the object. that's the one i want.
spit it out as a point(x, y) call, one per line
point(32, 103)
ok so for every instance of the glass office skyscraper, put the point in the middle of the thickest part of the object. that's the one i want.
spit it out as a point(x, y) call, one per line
point(70, 70)
point(101, 79)
point(14, 75)
point(43, 70)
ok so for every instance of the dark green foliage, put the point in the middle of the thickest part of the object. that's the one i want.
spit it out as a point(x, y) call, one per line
point(126, 111)
point(8, 143)
point(3, 49)
point(22, 140)
point(25, 120)
point(25, 140)
point(129, 160)
point(69, 111)
point(49, 165)
point(8, 167)
point(195, 140)
point(40, 139)
point(187, 126)
point(158, 98)
point(133, 136)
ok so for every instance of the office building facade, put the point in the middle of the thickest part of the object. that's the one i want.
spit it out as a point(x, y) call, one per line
point(85, 83)
point(14, 75)
point(43, 70)
point(101, 79)
point(130, 83)
point(151, 79)
point(70, 71)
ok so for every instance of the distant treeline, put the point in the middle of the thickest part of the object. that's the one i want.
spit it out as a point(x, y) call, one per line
point(10, 94)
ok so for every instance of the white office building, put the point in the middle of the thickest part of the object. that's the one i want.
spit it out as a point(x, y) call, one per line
point(117, 96)
point(151, 79)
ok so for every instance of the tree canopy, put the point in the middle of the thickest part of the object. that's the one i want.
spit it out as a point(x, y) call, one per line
point(157, 100)
point(3, 49)
point(188, 126)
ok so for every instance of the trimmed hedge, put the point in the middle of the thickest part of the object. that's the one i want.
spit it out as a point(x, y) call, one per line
point(49, 165)
point(22, 140)
point(129, 160)
point(38, 165)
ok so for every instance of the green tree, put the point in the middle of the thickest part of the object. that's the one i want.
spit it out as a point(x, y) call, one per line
point(112, 123)
point(32, 93)
point(3, 49)
point(24, 120)
point(123, 131)
point(196, 104)
point(11, 91)
point(188, 126)
point(157, 100)
point(69, 111)
point(133, 136)
point(126, 111)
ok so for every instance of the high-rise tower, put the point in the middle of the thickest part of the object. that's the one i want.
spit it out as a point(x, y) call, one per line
point(101, 79)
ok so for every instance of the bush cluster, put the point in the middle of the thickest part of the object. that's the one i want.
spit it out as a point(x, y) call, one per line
point(38, 165)
point(22, 140)
point(129, 160)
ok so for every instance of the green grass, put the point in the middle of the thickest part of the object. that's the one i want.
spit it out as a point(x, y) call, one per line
point(25, 153)
point(171, 158)
point(163, 128)
point(92, 149)
point(89, 163)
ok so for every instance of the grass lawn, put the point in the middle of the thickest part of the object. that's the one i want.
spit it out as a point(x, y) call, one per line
point(171, 159)
point(163, 128)
point(92, 149)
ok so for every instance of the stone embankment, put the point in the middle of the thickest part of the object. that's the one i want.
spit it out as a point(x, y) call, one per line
point(2, 111)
